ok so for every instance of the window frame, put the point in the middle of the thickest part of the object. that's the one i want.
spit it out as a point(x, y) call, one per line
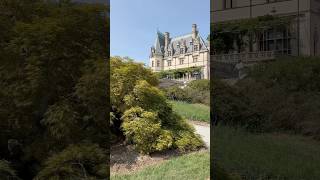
point(181, 50)
point(195, 47)
point(195, 59)
point(181, 61)
point(225, 3)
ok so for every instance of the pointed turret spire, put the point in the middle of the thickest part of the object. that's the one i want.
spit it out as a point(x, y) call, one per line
point(159, 43)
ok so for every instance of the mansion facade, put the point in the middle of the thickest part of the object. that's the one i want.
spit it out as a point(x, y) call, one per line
point(181, 52)
point(300, 38)
point(294, 30)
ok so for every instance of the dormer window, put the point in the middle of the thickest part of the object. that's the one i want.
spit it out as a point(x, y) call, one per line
point(181, 50)
point(178, 45)
point(195, 48)
point(169, 53)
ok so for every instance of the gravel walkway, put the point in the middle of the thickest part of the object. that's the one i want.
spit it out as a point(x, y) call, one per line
point(204, 131)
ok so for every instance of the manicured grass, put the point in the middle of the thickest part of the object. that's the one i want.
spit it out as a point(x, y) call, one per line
point(193, 166)
point(266, 156)
point(198, 112)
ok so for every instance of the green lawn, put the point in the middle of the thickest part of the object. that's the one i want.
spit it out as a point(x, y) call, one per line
point(193, 166)
point(266, 156)
point(198, 112)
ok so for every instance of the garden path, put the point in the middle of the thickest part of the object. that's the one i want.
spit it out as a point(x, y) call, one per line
point(203, 130)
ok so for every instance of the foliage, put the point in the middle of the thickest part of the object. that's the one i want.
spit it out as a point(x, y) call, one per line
point(53, 74)
point(200, 85)
point(124, 75)
point(144, 130)
point(142, 112)
point(293, 74)
point(187, 141)
point(177, 94)
point(232, 106)
point(224, 34)
point(253, 24)
point(85, 161)
point(149, 98)
point(6, 170)
point(278, 96)
point(93, 93)
point(61, 120)
point(197, 91)
point(178, 73)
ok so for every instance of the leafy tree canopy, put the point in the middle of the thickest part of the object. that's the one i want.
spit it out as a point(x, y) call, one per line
point(53, 78)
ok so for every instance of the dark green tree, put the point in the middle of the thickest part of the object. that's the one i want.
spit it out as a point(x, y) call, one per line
point(53, 79)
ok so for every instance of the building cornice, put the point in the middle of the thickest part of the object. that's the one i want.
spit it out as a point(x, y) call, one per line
point(293, 14)
point(248, 6)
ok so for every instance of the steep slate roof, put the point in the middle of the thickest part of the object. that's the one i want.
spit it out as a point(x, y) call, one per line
point(159, 43)
point(183, 41)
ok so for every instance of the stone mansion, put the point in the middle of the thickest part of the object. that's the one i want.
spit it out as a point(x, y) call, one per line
point(186, 51)
point(298, 37)
point(301, 36)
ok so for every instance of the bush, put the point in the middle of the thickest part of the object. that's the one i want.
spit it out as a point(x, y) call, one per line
point(144, 130)
point(198, 96)
point(149, 98)
point(142, 112)
point(177, 94)
point(86, 161)
point(200, 85)
point(164, 141)
point(124, 76)
point(232, 107)
point(187, 140)
point(197, 91)
point(278, 96)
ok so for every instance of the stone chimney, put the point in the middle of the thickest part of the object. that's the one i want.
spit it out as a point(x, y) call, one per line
point(194, 31)
point(166, 40)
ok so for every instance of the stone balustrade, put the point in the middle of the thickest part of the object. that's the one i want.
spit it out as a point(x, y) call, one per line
point(249, 57)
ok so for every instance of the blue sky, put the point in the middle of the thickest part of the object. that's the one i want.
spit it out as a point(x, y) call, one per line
point(134, 23)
